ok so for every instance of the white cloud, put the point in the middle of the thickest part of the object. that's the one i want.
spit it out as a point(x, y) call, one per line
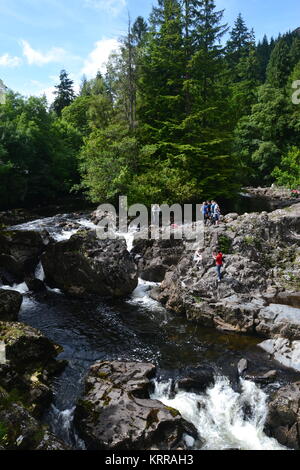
point(7, 60)
point(99, 56)
point(34, 57)
point(113, 7)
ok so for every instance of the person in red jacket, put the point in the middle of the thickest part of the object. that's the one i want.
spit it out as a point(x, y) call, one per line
point(219, 263)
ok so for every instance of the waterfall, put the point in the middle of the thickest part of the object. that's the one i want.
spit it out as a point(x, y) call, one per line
point(39, 272)
point(62, 426)
point(129, 237)
point(224, 419)
point(21, 288)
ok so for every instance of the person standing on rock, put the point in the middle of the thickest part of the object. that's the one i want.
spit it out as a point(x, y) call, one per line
point(205, 212)
point(216, 213)
point(219, 263)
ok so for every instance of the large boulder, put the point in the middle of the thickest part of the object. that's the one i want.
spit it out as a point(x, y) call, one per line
point(26, 347)
point(279, 320)
point(155, 257)
point(28, 364)
point(10, 304)
point(20, 251)
point(85, 264)
point(283, 420)
point(116, 413)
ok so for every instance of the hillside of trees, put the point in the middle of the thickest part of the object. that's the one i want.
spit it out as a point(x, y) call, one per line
point(189, 108)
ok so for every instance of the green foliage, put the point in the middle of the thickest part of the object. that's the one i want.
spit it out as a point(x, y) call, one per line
point(107, 162)
point(288, 173)
point(260, 137)
point(64, 93)
point(224, 244)
point(37, 152)
point(279, 66)
point(176, 118)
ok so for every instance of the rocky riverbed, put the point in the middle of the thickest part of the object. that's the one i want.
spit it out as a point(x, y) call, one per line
point(131, 365)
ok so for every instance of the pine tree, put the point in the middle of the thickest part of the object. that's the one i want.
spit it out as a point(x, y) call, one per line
point(182, 102)
point(139, 31)
point(295, 51)
point(279, 66)
point(239, 43)
point(263, 52)
point(85, 87)
point(64, 93)
point(161, 81)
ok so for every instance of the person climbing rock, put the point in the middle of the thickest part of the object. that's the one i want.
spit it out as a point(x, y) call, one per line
point(219, 263)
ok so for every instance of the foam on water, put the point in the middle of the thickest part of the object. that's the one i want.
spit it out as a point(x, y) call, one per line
point(21, 288)
point(39, 272)
point(140, 296)
point(220, 415)
point(62, 425)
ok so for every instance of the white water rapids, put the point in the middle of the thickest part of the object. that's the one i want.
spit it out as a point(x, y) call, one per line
point(220, 416)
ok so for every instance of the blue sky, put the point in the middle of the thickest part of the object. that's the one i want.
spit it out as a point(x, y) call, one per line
point(40, 37)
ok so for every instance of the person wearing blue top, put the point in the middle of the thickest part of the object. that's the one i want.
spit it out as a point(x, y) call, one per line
point(205, 212)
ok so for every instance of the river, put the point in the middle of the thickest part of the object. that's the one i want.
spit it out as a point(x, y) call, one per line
point(231, 414)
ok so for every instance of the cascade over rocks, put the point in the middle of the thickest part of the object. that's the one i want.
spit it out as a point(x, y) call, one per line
point(116, 413)
point(84, 264)
point(19, 253)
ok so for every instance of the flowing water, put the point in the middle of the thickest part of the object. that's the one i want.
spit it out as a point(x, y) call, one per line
point(229, 415)
point(225, 419)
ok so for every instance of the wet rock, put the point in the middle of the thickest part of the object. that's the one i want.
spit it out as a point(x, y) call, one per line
point(197, 379)
point(21, 431)
point(10, 304)
point(26, 347)
point(51, 442)
point(16, 217)
point(116, 413)
point(20, 251)
point(28, 364)
point(35, 285)
point(266, 378)
point(242, 366)
point(284, 416)
point(85, 264)
point(155, 257)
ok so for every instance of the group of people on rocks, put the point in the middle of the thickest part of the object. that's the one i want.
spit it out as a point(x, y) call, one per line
point(211, 212)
